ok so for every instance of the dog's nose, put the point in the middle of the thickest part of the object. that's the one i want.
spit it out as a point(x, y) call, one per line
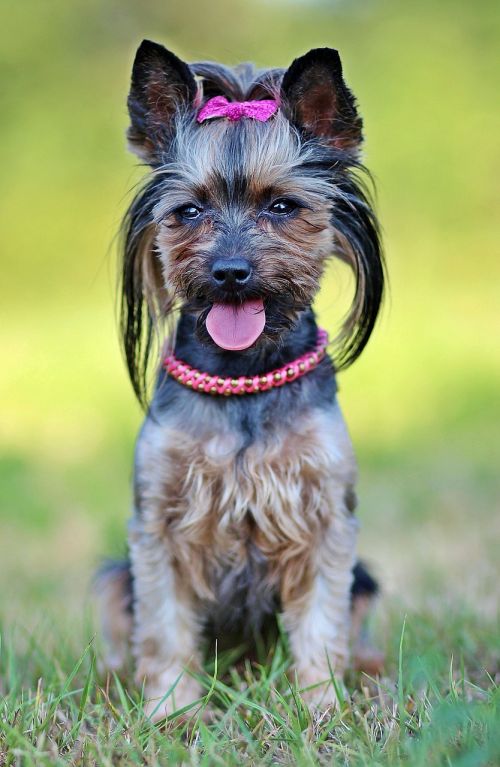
point(232, 272)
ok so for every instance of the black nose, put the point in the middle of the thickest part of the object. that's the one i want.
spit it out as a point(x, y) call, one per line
point(232, 272)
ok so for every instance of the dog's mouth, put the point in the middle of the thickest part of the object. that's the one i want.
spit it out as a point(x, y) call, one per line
point(235, 327)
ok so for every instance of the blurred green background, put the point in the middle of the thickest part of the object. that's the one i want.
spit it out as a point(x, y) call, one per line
point(423, 403)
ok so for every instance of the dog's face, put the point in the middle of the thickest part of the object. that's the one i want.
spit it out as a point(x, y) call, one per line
point(243, 214)
point(242, 219)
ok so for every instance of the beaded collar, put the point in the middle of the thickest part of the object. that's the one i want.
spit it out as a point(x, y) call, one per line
point(227, 387)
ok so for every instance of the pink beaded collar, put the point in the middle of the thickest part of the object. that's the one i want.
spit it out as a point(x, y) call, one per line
point(209, 384)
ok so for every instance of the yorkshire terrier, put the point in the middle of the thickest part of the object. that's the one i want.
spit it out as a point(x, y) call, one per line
point(244, 470)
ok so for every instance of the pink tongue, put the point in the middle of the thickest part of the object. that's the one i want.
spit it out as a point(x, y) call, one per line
point(236, 327)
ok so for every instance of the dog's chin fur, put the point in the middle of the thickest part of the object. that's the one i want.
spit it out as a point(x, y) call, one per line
point(244, 505)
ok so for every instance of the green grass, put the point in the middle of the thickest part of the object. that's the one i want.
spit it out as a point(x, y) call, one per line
point(437, 706)
point(437, 621)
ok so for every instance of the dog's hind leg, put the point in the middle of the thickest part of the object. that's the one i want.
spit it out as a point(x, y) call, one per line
point(365, 656)
point(113, 594)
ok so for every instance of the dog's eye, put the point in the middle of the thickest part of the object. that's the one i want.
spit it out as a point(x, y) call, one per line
point(188, 212)
point(282, 207)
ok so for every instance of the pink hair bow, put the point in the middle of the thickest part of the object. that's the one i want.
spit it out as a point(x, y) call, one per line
point(219, 106)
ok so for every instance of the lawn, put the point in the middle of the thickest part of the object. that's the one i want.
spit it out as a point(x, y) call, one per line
point(436, 704)
point(422, 403)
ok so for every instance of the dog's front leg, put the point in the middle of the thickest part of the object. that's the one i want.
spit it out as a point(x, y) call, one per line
point(165, 627)
point(318, 617)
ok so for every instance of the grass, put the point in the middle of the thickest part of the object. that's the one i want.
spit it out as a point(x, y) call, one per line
point(433, 708)
point(437, 621)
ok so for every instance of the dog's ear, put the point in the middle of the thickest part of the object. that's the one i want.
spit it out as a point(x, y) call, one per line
point(161, 85)
point(317, 99)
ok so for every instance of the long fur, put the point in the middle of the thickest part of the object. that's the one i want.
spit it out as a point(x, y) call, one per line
point(146, 304)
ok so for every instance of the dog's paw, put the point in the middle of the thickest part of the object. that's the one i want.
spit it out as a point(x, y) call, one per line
point(171, 691)
point(368, 660)
point(318, 691)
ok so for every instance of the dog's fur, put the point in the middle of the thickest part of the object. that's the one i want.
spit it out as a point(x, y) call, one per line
point(243, 505)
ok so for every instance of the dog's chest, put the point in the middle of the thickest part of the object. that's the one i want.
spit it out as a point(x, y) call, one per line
point(215, 499)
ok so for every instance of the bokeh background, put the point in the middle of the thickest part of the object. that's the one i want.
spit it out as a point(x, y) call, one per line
point(423, 403)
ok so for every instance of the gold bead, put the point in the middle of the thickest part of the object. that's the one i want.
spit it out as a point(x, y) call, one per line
point(201, 387)
point(220, 381)
point(248, 382)
point(213, 390)
point(196, 375)
point(277, 376)
point(312, 360)
point(234, 382)
point(302, 367)
point(263, 379)
point(189, 383)
point(290, 372)
point(227, 394)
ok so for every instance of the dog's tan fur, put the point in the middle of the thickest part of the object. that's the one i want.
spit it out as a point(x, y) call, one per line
point(201, 501)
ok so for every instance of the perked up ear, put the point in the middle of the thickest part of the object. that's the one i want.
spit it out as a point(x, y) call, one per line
point(161, 85)
point(318, 100)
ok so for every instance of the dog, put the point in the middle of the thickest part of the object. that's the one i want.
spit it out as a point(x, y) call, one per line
point(244, 487)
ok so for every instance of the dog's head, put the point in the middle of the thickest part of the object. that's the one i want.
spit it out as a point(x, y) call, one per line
point(237, 218)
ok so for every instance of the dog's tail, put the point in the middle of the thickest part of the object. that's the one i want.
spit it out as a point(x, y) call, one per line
point(113, 589)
